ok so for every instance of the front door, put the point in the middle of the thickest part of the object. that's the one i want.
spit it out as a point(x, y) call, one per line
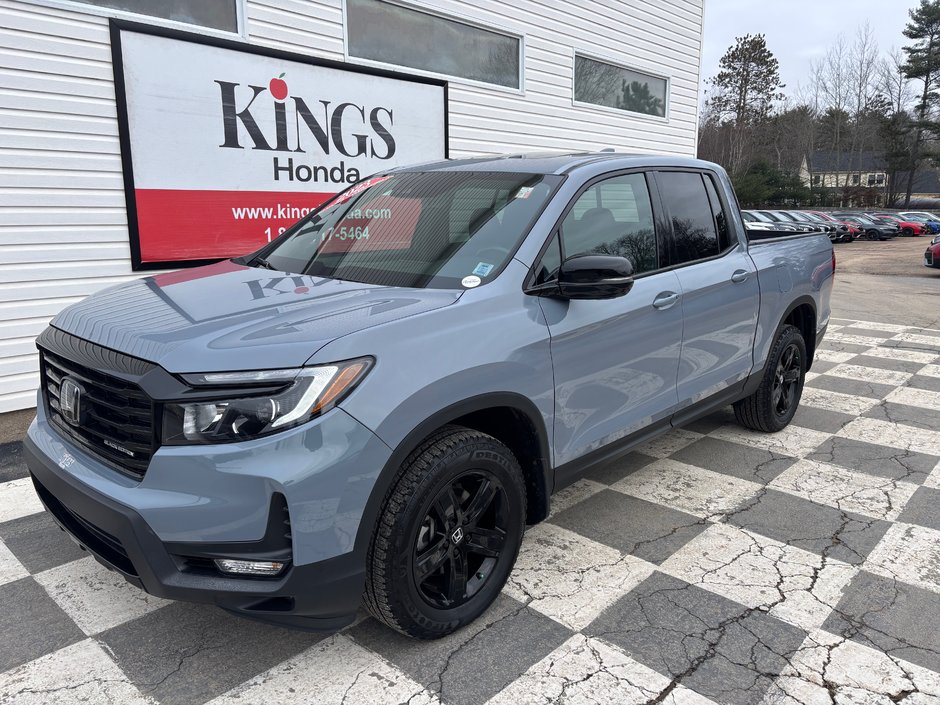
point(615, 361)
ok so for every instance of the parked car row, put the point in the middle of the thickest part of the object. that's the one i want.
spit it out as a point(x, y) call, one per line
point(845, 226)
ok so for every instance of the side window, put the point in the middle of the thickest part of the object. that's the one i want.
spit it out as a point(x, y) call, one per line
point(613, 217)
point(551, 261)
point(693, 225)
point(725, 240)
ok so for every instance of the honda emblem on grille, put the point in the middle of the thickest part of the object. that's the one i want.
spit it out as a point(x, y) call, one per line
point(70, 401)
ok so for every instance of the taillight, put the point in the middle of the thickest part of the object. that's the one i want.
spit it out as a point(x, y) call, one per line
point(833, 261)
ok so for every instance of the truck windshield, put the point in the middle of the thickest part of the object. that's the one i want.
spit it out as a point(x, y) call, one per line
point(440, 229)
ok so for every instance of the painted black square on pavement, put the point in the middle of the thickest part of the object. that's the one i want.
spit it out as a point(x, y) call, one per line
point(631, 525)
point(31, 624)
point(188, 653)
point(856, 387)
point(875, 459)
point(475, 663)
point(615, 470)
point(821, 419)
point(736, 459)
point(12, 463)
point(931, 384)
point(715, 646)
point(923, 508)
point(916, 416)
point(892, 616)
point(38, 542)
point(819, 528)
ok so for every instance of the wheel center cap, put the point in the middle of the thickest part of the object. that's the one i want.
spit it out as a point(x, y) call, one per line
point(457, 536)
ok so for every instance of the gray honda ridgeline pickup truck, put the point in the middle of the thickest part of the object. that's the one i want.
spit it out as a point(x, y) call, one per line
point(373, 406)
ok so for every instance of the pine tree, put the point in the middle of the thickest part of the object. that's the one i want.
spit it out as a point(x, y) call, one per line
point(923, 64)
point(748, 80)
point(746, 87)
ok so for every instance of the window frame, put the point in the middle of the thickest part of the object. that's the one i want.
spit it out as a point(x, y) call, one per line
point(460, 18)
point(652, 73)
point(240, 32)
point(555, 231)
point(734, 237)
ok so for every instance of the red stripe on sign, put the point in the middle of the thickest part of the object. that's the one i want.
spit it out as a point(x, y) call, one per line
point(184, 225)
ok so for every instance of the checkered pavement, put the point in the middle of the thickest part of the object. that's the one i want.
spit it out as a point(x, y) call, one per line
point(713, 565)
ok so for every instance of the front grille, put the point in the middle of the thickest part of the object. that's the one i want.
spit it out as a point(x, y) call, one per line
point(116, 419)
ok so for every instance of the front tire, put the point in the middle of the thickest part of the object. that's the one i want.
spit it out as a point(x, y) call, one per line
point(772, 406)
point(448, 535)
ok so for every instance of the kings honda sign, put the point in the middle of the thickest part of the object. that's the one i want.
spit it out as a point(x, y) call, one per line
point(225, 145)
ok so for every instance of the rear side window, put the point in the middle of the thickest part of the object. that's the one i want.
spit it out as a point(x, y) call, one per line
point(694, 228)
point(613, 217)
point(725, 240)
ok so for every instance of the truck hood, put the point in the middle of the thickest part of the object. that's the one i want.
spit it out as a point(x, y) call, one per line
point(226, 316)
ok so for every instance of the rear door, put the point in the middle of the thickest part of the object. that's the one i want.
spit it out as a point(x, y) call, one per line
point(718, 282)
point(616, 360)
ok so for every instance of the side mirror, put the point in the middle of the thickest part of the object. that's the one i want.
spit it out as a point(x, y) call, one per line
point(590, 277)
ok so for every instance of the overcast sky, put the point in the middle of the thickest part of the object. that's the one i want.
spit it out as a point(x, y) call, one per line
point(798, 31)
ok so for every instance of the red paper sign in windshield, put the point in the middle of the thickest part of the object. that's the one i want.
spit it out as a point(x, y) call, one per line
point(385, 223)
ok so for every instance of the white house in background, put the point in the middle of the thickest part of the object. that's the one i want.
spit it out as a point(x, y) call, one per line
point(832, 170)
point(829, 170)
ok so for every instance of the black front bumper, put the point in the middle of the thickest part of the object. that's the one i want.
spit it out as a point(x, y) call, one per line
point(321, 596)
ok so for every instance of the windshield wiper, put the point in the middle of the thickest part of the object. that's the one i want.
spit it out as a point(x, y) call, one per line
point(262, 262)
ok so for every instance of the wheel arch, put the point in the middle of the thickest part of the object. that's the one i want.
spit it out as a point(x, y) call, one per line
point(802, 314)
point(511, 418)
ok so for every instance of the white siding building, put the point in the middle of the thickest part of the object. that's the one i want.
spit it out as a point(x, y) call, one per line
point(63, 218)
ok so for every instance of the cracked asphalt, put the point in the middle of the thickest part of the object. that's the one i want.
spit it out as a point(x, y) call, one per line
point(712, 565)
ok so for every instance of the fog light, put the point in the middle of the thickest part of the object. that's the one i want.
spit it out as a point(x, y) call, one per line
point(262, 568)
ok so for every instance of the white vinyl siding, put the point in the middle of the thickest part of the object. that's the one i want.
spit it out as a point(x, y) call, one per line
point(63, 224)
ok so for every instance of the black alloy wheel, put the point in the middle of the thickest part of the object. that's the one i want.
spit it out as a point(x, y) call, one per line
point(460, 539)
point(771, 406)
point(448, 534)
point(783, 394)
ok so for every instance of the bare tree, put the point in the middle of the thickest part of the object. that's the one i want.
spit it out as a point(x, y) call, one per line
point(893, 84)
point(862, 71)
point(833, 74)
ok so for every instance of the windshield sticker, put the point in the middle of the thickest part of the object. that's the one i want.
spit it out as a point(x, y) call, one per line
point(354, 191)
point(482, 269)
point(470, 282)
point(524, 191)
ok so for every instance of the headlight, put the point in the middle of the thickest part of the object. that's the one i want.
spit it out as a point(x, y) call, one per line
point(299, 396)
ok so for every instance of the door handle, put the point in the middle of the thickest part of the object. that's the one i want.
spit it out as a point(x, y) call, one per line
point(739, 276)
point(665, 300)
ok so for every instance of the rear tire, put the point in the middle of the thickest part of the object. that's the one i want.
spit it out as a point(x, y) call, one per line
point(448, 535)
point(907, 232)
point(772, 406)
point(873, 234)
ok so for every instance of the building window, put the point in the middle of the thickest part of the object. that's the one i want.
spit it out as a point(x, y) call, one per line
point(879, 179)
point(215, 14)
point(393, 34)
point(815, 179)
point(856, 179)
point(601, 83)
